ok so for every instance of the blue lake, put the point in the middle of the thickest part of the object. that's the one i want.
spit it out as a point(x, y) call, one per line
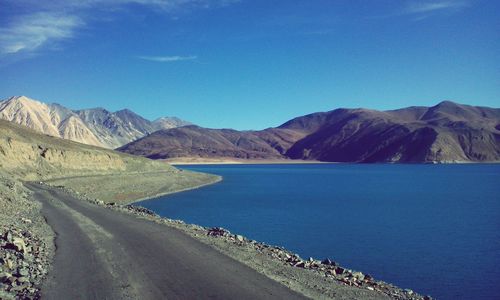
point(432, 228)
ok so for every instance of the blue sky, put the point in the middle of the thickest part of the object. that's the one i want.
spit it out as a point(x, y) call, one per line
point(250, 64)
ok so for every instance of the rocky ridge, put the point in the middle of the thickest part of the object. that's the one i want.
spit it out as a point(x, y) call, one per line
point(97, 126)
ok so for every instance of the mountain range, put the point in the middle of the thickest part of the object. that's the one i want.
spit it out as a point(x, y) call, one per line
point(96, 126)
point(446, 132)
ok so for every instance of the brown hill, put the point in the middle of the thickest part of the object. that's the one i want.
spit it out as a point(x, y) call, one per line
point(447, 132)
point(203, 142)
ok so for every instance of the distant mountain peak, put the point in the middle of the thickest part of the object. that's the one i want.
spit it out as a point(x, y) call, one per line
point(125, 111)
point(169, 122)
point(447, 103)
point(21, 99)
point(95, 126)
point(96, 110)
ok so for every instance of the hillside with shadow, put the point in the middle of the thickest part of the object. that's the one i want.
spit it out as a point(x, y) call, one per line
point(446, 132)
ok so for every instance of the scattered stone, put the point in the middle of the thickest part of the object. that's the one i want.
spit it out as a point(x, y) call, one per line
point(218, 231)
point(19, 244)
point(358, 275)
point(22, 272)
point(22, 279)
point(8, 236)
point(25, 241)
point(25, 220)
point(4, 277)
point(5, 295)
point(9, 263)
point(408, 291)
point(328, 262)
point(240, 238)
point(137, 209)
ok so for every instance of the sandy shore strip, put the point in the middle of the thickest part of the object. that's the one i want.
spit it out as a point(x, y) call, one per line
point(126, 188)
point(235, 161)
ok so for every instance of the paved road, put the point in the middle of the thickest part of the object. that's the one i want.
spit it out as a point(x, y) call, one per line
point(104, 254)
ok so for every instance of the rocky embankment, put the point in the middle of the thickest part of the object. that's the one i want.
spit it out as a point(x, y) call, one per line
point(318, 279)
point(26, 247)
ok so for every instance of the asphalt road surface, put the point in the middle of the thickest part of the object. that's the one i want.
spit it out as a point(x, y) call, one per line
point(104, 254)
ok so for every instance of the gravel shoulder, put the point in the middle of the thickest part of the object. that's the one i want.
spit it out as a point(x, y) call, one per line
point(26, 242)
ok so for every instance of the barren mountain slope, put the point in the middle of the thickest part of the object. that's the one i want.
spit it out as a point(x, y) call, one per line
point(168, 122)
point(447, 132)
point(443, 133)
point(197, 141)
point(96, 126)
point(28, 154)
point(109, 128)
point(30, 113)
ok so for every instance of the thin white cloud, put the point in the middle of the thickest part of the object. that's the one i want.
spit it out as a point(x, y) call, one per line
point(431, 6)
point(420, 10)
point(168, 58)
point(83, 4)
point(27, 33)
point(43, 23)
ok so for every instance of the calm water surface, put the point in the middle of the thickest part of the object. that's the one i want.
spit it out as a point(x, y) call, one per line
point(432, 228)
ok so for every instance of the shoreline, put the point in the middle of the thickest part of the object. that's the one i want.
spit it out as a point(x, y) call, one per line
point(127, 187)
point(312, 277)
point(235, 161)
point(217, 180)
point(312, 162)
point(317, 279)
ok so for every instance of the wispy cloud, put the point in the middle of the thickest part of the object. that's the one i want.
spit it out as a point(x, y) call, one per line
point(167, 58)
point(431, 6)
point(28, 34)
point(44, 23)
point(419, 10)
